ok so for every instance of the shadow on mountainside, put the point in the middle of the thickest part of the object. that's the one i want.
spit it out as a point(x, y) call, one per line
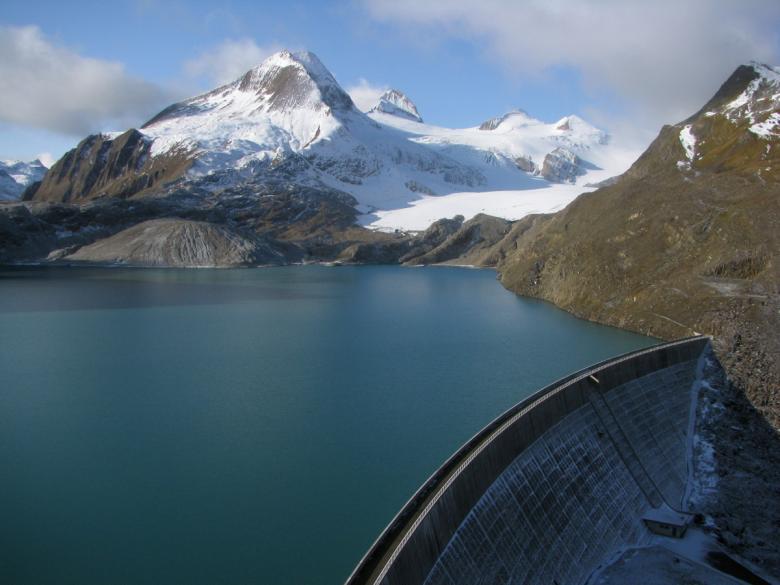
point(744, 511)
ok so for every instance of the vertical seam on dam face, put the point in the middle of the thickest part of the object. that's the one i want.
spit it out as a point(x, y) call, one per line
point(624, 449)
point(519, 488)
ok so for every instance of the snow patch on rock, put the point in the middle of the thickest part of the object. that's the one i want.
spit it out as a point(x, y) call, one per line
point(760, 97)
point(769, 128)
point(688, 141)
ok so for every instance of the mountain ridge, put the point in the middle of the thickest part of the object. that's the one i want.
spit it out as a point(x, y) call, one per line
point(289, 119)
point(17, 175)
point(687, 241)
point(397, 103)
point(684, 241)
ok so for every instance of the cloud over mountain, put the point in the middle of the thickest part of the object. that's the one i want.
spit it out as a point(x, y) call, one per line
point(365, 94)
point(228, 61)
point(663, 58)
point(49, 86)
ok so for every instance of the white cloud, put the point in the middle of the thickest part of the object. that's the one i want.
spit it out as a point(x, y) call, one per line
point(51, 87)
point(365, 95)
point(664, 58)
point(228, 61)
point(46, 158)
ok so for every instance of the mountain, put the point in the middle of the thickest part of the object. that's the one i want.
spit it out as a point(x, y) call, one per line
point(687, 240)
point(288, 121)
point(398, 104)
point(516, 139)
point(277, 166)
point(16, 176)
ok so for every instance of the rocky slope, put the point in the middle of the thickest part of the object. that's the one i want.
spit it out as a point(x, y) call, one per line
point(447, 241)
point(736, 472)
point(181, 243)
point(686, 241)
point(104, 166)
point(468, 245)
point(314, 222)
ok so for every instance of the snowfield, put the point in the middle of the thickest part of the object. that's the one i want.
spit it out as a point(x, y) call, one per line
point(421, 213)
point(511, 193)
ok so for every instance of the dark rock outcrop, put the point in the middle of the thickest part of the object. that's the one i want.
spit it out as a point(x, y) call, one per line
point(562, 166)
point(318, 222)
point(525, 164)
point(101, 166)
point(471, 244)
point(394, 250)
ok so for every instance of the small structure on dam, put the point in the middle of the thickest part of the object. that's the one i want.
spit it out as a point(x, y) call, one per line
point(561, 486)
point(667, 522)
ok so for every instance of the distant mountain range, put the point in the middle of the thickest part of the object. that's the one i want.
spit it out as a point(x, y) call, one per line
point(16, 176)
point(289, 121)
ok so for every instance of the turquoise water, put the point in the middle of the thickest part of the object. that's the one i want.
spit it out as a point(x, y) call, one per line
point(247, 426)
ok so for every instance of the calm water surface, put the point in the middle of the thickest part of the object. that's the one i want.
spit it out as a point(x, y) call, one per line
point(247, 426)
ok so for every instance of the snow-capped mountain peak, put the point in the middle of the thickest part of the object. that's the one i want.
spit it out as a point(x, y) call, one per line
point(398, 104)
point(579, 131)
point(284, 82)
point(286, 103)
point(292, 80)
point(16, 176)
point(514, 119)
point(736, 128)
point(759, 102)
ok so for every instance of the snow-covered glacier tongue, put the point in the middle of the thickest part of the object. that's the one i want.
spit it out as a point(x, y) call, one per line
point(529, 166)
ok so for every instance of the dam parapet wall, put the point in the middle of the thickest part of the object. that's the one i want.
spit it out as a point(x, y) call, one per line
point(552, 487)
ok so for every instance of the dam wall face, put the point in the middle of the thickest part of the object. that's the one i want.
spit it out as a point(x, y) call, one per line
point(554, 486)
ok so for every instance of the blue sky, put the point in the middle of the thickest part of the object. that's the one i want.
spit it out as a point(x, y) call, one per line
point(452, 58)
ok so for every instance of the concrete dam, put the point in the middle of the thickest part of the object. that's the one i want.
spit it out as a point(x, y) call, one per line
point(561, 485)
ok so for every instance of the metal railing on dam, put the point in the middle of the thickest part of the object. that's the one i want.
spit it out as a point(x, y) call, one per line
point(488, 491)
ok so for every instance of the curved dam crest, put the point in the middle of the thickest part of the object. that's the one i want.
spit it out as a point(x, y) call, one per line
point(557, 485)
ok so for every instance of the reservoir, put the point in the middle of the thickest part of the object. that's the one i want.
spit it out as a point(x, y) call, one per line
point(250, 425)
